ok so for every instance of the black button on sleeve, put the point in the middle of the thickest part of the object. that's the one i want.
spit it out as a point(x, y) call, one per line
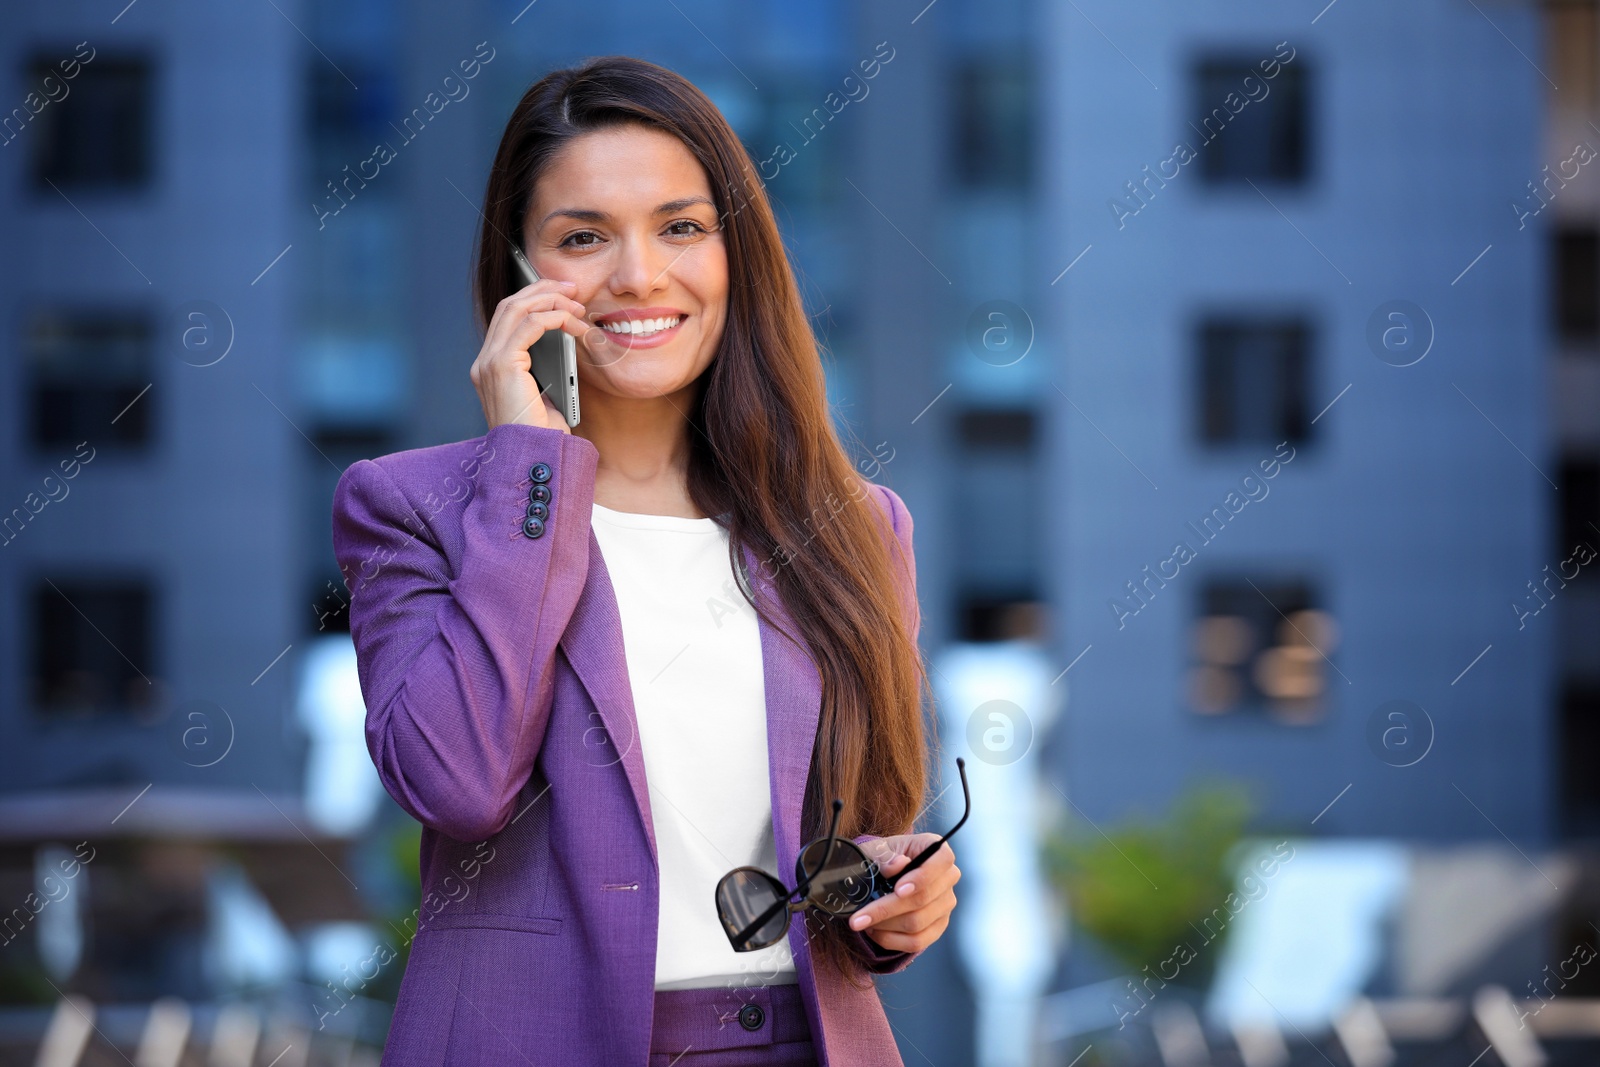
point(538, 510)
point(540, 492)
point(533, 527)
point(539, 472)
point(751, 1016)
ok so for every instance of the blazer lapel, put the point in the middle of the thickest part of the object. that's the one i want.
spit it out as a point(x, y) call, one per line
point(594, 647)
point(593, 644)
point(794, 704)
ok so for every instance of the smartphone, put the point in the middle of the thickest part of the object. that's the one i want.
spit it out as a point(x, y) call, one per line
point(555, 354)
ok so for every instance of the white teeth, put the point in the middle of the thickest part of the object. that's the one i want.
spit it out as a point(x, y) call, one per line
point(641, 327)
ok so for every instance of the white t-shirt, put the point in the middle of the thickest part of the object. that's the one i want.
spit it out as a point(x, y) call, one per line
point(693, 648)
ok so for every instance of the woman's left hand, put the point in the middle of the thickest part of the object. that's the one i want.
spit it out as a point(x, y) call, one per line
point(916, 914)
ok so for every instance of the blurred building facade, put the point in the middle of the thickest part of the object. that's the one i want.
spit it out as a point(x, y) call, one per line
point(153, 179)
point(1305, 462)
point(1572, 240)
point(147, 351)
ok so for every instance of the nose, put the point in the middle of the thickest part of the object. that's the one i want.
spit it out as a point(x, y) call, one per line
point(641, 268)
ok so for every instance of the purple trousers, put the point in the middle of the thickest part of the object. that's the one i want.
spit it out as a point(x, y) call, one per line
point(723, 1027)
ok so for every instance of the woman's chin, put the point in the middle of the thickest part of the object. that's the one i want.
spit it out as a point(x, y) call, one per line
point(638, 387)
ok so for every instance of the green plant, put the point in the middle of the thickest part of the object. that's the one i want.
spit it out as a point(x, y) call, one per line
point(25, 982)
point(1142, 887)
point(401, 849)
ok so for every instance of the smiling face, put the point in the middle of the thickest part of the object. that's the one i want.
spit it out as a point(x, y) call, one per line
point(626, 214)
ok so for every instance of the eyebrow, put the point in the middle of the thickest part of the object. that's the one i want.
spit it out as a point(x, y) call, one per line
point(591, 215)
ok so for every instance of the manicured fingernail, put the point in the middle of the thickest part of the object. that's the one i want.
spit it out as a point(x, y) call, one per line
point(905, 889)
point(859, 922)
point(569, 285)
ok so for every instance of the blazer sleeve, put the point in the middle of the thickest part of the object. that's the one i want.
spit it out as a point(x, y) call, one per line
point(455, 668)
point(876, 958)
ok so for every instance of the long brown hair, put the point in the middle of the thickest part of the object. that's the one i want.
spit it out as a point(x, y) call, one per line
point(764, 455)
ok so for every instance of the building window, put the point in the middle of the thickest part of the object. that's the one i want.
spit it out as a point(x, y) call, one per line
point(1578, 509)
point(92, 646)
point(331, 451)
point(997, 429)
point(1261, 646)
point(1251, 127)
point(996, 522)
point(794, 146)
point(344, 123)
point(1572, 32)
point(1576, 289)
point(993, 126)
point(86, 372)
point(1000, 615)
point(98, 136)
point(1254, 377)
point(1579, 748)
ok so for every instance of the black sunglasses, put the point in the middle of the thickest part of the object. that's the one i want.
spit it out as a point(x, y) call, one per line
point(755, 907)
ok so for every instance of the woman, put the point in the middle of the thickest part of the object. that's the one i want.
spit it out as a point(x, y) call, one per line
point(605, 666)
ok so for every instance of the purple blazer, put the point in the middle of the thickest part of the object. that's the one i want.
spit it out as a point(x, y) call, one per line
point(500, 715)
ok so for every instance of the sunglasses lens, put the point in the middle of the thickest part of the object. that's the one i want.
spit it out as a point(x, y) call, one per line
point(846, 884)
point(743, 896)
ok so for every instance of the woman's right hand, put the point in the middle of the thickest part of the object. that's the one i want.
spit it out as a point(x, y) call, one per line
point(503, 371)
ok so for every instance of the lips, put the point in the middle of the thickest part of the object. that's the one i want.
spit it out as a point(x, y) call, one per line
point(642, 327)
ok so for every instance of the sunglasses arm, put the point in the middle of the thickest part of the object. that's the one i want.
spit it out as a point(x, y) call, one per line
point(961, 766)
point(805, 883)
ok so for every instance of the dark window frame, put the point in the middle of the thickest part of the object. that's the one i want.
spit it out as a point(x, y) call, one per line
point(1577, 742)
point(1575, 285)
point(1291, 162)
point(1215, 395)
point(1577, 505)
point(1268, 601)
point(993, 146)
point(64, 408)
point(74, 626)
point(986, 614)
point(133, 114)
point(1014, 429)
